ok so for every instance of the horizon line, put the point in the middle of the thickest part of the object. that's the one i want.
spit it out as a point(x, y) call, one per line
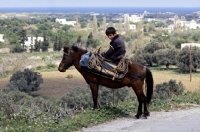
point(100, 7)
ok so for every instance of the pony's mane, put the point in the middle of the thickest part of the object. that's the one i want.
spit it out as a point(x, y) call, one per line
point(78, 49)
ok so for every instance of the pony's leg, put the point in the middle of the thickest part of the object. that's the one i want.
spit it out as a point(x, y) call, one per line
point(141, 98)
point(139, 111)
point(146, 112)
point(94, 90)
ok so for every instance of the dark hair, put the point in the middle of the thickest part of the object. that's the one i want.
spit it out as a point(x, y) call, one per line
point(110, 30)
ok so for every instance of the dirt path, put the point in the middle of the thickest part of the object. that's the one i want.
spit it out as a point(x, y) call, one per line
point(175, 121)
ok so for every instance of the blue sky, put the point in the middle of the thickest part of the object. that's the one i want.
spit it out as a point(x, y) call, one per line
point(100, 3)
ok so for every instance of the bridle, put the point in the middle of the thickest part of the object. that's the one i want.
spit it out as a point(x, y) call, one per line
point(68, 55)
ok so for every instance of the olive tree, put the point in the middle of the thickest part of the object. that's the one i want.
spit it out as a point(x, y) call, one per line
point(165, 57)
point(183, 59)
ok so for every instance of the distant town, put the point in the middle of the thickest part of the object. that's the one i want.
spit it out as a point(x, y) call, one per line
point(124, 23)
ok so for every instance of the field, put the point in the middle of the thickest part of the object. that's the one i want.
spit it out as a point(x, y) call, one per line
point(56, 84)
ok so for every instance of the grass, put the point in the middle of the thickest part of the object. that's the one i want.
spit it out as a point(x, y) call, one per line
point(88, 118)
point(161, 75)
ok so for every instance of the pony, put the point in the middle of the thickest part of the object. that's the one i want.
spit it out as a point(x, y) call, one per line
point(136, 77)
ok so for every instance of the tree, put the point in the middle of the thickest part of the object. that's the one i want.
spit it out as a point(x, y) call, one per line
point(104, 23)
point(127, 25)
point(91, 42)
point(23, 38)
point(55, 46)
point(66, 28)
point(183, 59)
point(79, 41)
point(31, 44)
point(165, 57)
point(25, 81)
point(18, 48)
point(139, 35)
point(83, 25)
point(37, 44)
point(59, 44)
point(145, 55)
point(45, 43)
point(94, 24)
point(120, 25)
point(177, 43)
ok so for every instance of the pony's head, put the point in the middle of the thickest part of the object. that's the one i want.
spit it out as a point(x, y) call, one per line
point(67, 59)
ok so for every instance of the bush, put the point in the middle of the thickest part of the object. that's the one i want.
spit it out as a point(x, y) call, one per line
point(168, 90)
point(183, 59)
point(77, 99)
point(111, 96)
point(25, 81)
point(80, 98)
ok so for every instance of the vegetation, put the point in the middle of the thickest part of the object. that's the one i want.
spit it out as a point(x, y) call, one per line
point(149, 45)
point(161, 53)
point(25, 81)
point(168, 90)
point(22, 112)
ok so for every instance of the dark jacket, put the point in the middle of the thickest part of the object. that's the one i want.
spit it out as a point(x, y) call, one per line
point(117, 49)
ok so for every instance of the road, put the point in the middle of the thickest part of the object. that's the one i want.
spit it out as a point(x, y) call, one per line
point(187, 120)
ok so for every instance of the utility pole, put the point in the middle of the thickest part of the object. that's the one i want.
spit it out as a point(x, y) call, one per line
point(190, 64)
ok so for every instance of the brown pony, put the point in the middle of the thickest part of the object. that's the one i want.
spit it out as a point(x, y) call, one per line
point(135, 78)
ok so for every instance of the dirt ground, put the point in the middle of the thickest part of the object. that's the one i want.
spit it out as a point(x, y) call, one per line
point(57, 85)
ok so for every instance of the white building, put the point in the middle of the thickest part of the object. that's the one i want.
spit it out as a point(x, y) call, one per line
point(187, 24)
point(190, 44)
point(64, 22)
point(193, 25)
point(29, 41)
point(2, 38)
point(133, 18)
point(132, 26)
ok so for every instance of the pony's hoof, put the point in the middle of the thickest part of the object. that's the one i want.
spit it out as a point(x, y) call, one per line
point(137, 116)
point(147, 113)
point(145, 116)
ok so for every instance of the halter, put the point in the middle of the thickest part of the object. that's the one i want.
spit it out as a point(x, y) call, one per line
point(67, 54)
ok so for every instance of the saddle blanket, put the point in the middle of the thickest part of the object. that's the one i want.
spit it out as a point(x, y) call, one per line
point(105, 68)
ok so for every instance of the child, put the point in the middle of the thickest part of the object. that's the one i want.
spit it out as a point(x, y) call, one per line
point(117, 47)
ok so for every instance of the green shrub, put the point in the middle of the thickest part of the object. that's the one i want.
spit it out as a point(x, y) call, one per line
point(39, 67)
point(80, 98)
point(168, 90)
point(49, 66)
point(26, 81)
point(77, 99)
point(111, 96)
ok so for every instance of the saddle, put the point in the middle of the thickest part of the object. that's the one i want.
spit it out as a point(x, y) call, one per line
point(97, 64)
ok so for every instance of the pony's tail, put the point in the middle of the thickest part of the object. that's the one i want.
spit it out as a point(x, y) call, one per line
point(149, 84)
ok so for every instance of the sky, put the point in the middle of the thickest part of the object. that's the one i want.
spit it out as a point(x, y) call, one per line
point(99, 3)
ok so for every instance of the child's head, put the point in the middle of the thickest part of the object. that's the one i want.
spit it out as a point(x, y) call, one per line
point(111, 32)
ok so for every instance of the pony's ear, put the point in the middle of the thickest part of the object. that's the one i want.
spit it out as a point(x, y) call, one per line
point(65, 48)
point(75, 48)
